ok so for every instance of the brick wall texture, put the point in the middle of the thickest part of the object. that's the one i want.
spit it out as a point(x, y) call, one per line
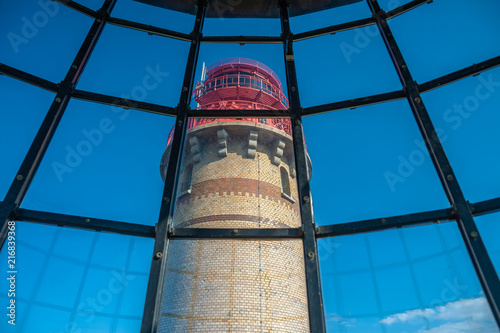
point(235, 285)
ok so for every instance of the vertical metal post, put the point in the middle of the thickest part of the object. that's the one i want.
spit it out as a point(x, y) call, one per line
point(31, 162)
point(156, 274)
point(465, 221)
point(313, 281)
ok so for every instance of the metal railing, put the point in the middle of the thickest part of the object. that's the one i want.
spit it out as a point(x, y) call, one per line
point(242, 81)
point(244, 61)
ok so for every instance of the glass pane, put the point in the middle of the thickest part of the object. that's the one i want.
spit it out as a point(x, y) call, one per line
point(103, 162)
point(372, 163)
point(42, 37)
point(466, 113)
point(489, 228)
point(455, 34)
point(411, 280)
point(389, 5)
point(92, 4)
point(268, 57)
point(23, 109)
point(349, 64)
point(333, 16)
point(69, 280)
point(221, 21)
point(234, 286)
point(125, 70)
point(137, 11)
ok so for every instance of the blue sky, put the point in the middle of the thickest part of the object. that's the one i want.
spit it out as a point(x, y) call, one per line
point(369, 162)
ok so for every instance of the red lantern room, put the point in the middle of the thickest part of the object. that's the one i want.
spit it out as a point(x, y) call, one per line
point(240, 83)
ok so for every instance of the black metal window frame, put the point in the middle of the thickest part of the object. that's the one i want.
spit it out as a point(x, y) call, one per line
point(460, 211)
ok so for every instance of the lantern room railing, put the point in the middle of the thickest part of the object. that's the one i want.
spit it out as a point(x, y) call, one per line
point(243, 63)
point(240, 81)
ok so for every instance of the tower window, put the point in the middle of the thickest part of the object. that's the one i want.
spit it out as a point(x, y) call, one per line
point(186, 180)
point(285, 183)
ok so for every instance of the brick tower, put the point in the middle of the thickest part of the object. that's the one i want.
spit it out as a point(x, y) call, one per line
point(236, 173)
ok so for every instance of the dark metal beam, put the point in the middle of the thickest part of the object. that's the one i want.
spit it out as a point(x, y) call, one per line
point(156, 275)
point(486, 207)
point(28, 78)
point(124, 103)
point(472, 239)
point(242, 39)
point(354, 103)
point(406, 7)
point(460, 74)
point(250, 9)
point(313, 281)
point(268, 234)
point(80, 8)
point(149, 29)
point(334, 29)
point(358, 227)
point(86, 223)
point(33, 158)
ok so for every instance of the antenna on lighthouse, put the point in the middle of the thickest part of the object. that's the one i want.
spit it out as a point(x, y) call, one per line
point(203, 73)
point(202, 79)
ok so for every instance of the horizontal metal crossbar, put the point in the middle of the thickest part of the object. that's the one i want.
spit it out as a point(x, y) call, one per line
point(406, 7)
point(80, 222)
point(354, 103)
point(351, 228)
point(235, 233)
point(28, 78)
point(242, 39)
point(460, 74)
point(334, 29)
point(124, 103)
point(485, 207)
point(79, 8)
point(152, 30)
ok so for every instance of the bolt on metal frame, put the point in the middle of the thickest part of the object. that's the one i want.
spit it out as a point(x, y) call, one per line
point(461, 212)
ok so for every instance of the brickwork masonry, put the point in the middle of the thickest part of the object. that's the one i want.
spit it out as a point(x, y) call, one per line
point(235, 285)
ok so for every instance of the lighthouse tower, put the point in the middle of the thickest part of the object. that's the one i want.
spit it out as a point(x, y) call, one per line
point(236, 173)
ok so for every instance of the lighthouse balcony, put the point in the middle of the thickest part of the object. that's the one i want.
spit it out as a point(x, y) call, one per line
point(241, 87)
